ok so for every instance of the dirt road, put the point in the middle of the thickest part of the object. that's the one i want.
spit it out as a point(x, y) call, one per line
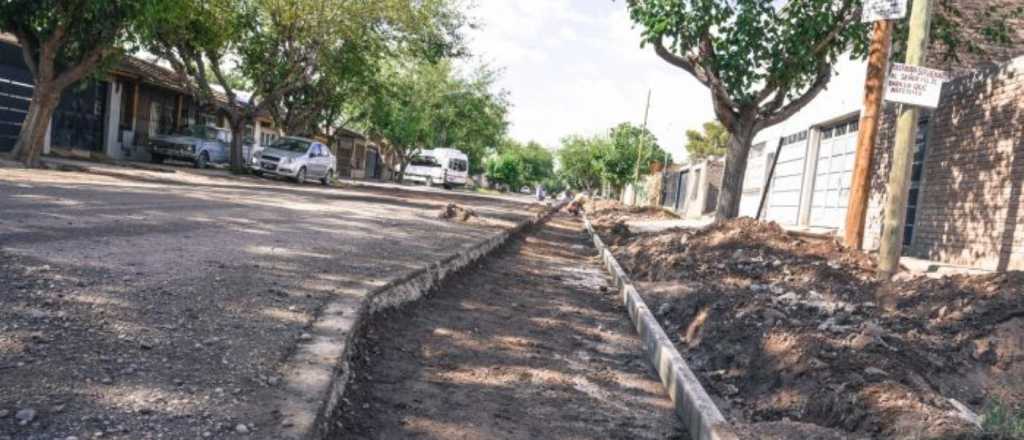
point(159, 305)
point(530, 344)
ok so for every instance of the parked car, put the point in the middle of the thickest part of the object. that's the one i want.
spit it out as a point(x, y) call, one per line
point(200, 145)
point(447, 167)
point(299, 159)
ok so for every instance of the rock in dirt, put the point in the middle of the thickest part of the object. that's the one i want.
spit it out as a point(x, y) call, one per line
point(25, 416)
point(452, 211)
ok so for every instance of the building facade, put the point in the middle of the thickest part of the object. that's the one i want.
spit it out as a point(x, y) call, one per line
point(968, 168)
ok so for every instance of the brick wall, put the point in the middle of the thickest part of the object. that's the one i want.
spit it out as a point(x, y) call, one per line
point(976, 19)
point(970, 206)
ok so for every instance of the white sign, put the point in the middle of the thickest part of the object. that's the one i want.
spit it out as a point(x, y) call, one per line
point(875, 10)
point(914, 85)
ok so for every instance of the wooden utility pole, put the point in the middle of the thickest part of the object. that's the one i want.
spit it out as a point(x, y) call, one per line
point(903, 152)
point(643, 139)
point(874, 88)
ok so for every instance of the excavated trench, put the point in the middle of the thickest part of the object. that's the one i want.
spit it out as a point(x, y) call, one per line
point(530, 343)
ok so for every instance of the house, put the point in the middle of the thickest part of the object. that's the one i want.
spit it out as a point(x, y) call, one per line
point(965, 196)
point(691, 189)
point(358, 157)
point(113, 116)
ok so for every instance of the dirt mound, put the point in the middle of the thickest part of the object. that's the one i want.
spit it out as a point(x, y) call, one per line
point(784, 328)
point(452, 211)
point(603, 212)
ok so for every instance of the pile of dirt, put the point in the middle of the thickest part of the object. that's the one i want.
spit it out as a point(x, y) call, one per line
point(452, 211)
point(793, 329)
point(611, 216)
point(604, 211)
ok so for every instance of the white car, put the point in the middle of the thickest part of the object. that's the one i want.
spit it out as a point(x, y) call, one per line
point(447, 167)
point(299, 159)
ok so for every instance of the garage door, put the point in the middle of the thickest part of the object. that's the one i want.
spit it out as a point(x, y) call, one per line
point(833, 174)
point(787, 182)
point(15, 94)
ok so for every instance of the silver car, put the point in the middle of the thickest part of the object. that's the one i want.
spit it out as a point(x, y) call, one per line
point(299, 159)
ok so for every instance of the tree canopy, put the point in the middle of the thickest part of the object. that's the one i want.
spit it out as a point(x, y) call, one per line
point(579, 160)
point(628, 147)
point(587, 163)
point(711, 142)
point(760, 63)
point(431, 105)
point(515, 164)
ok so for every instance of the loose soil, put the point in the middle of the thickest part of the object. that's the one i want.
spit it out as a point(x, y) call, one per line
point(787, 329)
point(609, 213)
point(532, 343)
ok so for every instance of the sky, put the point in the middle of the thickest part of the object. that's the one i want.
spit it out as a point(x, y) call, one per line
point(576, 67)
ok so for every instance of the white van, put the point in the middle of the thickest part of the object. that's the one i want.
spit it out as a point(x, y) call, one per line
point(447, 167)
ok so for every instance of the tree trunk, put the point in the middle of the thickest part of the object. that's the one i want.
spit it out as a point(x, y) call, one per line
point(236, 158)
point(401, 170)
point(735, 168)
point(29, 146)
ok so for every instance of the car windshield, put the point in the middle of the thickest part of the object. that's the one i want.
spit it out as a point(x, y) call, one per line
point(425, 161)
point(201, 132)
point(296, 145)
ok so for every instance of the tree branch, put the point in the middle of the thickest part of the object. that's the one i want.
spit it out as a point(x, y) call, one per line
point(28, 50)
point(820, 81)
point(687, 64)
point(79, 71)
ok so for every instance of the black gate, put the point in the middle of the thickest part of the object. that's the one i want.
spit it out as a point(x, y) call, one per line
point(15, 94)
point(80, 117)
point(675, 190)
point(670, 182)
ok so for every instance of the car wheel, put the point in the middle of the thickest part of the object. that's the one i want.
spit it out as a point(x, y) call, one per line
point(300, 177)
point(328, 178)
point(257, 173)
point(203, 160)
point(157, 158)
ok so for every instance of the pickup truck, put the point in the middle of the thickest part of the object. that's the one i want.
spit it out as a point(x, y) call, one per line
point(199, 145)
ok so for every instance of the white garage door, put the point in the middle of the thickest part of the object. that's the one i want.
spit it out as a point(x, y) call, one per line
point(833, 174)
point(784, 198)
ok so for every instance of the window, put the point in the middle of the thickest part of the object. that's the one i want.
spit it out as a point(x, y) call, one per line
point(458, 165)
point(917, 175)
point(289, 144)
point(425, 161)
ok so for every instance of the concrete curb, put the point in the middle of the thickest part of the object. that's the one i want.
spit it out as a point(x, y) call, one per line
point(315, 376)
point(693, 405)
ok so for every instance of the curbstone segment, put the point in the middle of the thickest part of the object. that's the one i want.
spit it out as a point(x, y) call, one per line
point(315, 376)
point(693, 405)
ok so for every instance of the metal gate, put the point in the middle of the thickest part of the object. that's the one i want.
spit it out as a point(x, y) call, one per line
point(80, 117)
point(670, 194)
point(15, 94)
point(684, 178)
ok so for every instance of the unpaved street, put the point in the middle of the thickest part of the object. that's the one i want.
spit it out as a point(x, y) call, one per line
point(160, 305)
point(533, 343)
